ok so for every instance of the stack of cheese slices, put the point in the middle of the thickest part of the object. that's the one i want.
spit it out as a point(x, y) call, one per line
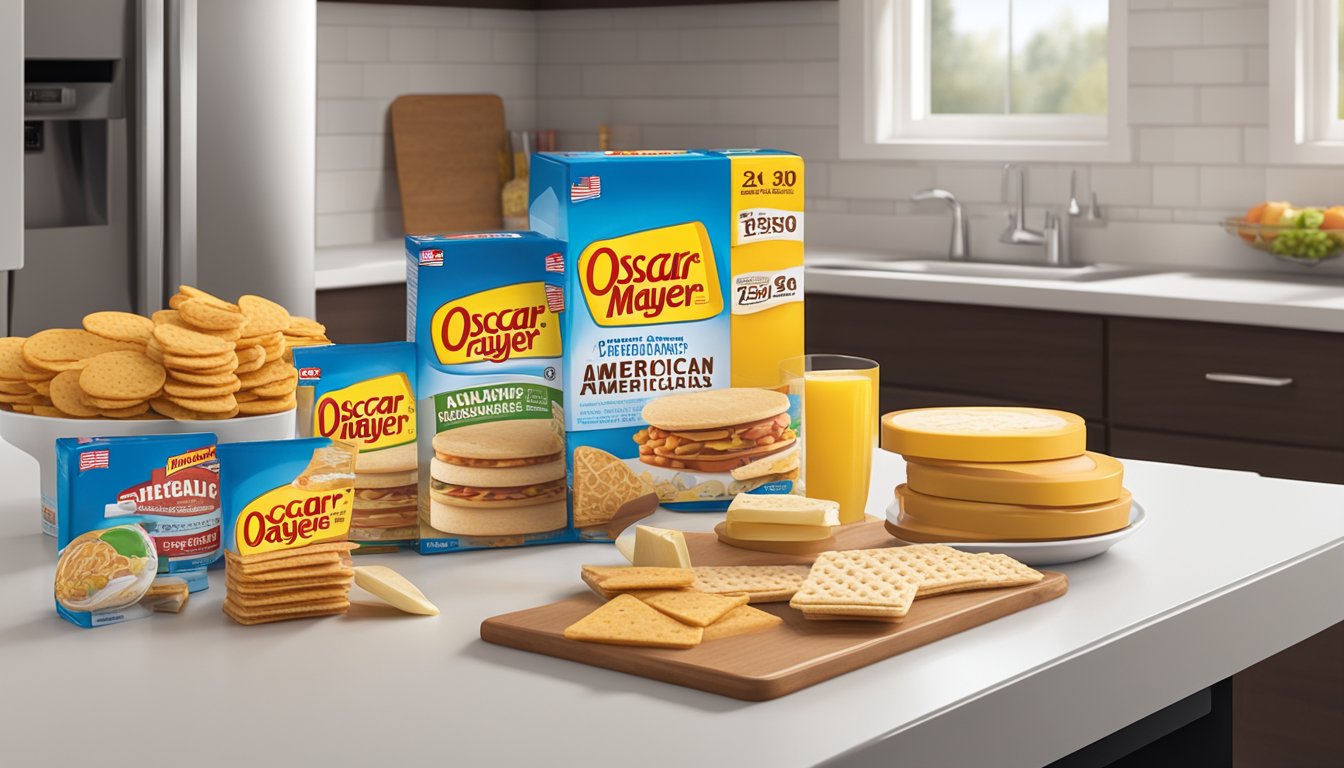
point(976, 474)
point(783, 523)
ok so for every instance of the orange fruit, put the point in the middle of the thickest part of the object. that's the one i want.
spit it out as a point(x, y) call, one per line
point(1275, 213)
point(1253, 215)
point(1334, 217)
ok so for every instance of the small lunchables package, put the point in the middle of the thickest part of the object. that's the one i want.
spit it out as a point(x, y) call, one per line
point(134, 513)
point(364, 394)
point(484, 312)
point(683, 276)
point(287, 510)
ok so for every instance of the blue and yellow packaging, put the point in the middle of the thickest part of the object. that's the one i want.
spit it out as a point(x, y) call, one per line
point(133, 513)
point(285, 494)
point(484, 310)
point(364, 394)
point(657, 407)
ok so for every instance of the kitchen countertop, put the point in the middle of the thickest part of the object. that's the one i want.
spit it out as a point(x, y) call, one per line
point(1305, 300)
point(1229, 569)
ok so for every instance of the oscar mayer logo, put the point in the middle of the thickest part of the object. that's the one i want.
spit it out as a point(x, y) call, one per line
point(374, 413)
point(664, 275)
point(500, 324)
point(288, 517)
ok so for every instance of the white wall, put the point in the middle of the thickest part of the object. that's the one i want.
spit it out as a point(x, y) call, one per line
point(367, 56)
point(766, 75)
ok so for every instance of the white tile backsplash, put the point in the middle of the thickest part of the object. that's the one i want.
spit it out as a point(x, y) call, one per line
point(370, 54)
point(766, 74)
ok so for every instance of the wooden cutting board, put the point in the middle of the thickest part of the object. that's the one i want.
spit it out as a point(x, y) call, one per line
point(778, 661)
point(448, 153)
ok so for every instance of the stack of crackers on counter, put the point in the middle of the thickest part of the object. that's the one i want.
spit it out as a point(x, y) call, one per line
point(223, 359)
point(204, 359)
point(299, 583)
point(682, 607)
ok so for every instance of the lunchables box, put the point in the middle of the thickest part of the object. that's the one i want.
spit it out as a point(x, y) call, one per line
point(684, 280)
point(484, 312)
point(137, 524)
point(365, 394)
point(168, 484)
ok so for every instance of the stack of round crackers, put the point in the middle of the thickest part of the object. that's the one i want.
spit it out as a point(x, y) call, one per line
point(205, 358)
point(101, 370)
point(222, 359)
point(303, 332)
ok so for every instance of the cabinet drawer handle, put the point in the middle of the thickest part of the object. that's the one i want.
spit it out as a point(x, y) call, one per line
point(1255, 381)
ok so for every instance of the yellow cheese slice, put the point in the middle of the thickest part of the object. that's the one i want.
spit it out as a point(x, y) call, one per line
point(626, 546)
point(984, 433)
point(660, 548)
point(1092, 478)
point(783, 509)
point(772, 532)
point(930, 518)
point(393, 588)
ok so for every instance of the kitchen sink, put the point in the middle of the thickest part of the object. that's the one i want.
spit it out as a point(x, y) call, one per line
point(1013, 270)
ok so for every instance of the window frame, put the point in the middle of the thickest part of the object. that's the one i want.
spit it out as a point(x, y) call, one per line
point(1304, 122)
point(878, 89)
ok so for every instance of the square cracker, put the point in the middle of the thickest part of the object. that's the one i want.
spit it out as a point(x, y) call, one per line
point(626, 620)
point(289, 585)
point(870, 584)
point(247, 617)
point(322, 546)
point(609, 581)
point(336, 571)
point(760, 583)
point(697, 609)
point(741, 620)
point(284, 563)
point(299, 596)
point(943, 570)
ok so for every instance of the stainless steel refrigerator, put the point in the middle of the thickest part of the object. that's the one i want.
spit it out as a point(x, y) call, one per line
point(165, 141)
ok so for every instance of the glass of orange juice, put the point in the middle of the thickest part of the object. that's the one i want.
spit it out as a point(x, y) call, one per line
point(839, 406)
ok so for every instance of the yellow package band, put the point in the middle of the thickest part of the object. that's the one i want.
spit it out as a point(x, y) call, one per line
point(771, 532)
point(930, 519)
point(660, 548)
point(783, 510)
point(1092, 478)
point(984, 433)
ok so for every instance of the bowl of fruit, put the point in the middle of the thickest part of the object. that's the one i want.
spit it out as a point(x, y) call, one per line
point(1307, 235)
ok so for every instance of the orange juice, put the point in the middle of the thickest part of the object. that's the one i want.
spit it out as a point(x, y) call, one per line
point(839, 427)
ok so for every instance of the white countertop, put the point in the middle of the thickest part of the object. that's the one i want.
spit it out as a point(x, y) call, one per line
point(1304, 300)
point(1229, 569)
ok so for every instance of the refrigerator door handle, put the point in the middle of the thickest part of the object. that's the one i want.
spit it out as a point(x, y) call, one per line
point(180, 246)
point(149, 145)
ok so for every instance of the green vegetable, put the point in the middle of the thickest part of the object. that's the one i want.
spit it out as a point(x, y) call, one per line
point(128, 542)
point(1309, 218)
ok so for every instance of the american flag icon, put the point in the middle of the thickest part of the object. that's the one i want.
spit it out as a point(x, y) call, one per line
point(588, 188)
point(92, 460)
point(555, 298)
point(555, 262)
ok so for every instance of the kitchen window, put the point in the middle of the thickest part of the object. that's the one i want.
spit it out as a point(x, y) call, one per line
point(1306, 119)
point(983, 80)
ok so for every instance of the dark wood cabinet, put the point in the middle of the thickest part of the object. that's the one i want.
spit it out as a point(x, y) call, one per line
point(363, 315)
point(977, 354)
point(1290, 461)
point(1267, 385)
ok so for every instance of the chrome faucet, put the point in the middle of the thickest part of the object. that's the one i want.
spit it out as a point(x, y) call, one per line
point(959, 249)
point(1017, 232)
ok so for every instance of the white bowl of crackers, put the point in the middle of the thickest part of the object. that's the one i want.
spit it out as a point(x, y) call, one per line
point(205, 365)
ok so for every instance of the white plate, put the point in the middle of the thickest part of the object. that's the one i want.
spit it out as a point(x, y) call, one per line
point(1046, 552)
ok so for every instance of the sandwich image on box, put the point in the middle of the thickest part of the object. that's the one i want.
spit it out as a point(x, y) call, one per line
point(498, 479)
point(656, 411)
point(484, 310)
point(364, 394)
